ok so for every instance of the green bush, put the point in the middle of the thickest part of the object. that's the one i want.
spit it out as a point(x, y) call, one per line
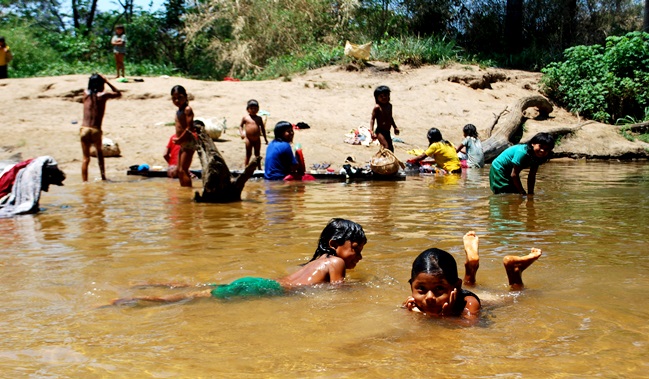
point(30, 55)
point(603, 83)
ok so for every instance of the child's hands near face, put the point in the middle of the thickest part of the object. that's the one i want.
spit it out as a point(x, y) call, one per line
point(447, 308)
point(410, 305)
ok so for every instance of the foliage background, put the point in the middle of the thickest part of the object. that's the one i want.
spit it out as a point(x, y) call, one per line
point(260, 39)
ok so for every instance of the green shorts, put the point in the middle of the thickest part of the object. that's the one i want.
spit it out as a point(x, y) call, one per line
point(248, 287)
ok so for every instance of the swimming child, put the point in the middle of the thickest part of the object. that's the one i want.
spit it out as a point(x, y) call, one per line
point(442, 151)
point(119, 49)
point(185, 134)
point(437, 289)
point(90, 133)
point(382, 113)
point(339, 249)
point(504, 175)
point(472, 146)
point(252, 126)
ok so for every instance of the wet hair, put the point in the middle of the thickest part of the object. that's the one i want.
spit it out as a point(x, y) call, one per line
point(95, 83)
point(470, 130)
point(434, 135)
point(435, 262)
point(252, 103)
point(541, 139)
point(178, 89)
point(280, 128)
point(339, 230)
point(380, 90)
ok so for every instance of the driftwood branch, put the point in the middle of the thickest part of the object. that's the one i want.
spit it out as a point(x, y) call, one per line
point(635, 128)
point(219, 186)
point(500, 138)
point(495, 122)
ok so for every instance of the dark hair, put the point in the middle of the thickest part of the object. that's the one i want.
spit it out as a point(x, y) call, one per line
point(252, 103)
point(434, 135)
point(339, 230)
point(541, 139)
point(178, 89)
point(379, 90)
point(119, 27)
point(280, 128)
point(470, 130)
point(199, 123)
point(2, 39)
point(95, 83)
point(435, 262)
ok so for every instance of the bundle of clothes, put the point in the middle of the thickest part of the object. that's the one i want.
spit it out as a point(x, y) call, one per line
point(21, 184)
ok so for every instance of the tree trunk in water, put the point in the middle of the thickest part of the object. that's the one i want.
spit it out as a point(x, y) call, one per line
point(219, 186)
point(500, 138)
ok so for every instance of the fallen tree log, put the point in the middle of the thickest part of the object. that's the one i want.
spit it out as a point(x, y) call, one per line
point(219, 186)
point(501, 135)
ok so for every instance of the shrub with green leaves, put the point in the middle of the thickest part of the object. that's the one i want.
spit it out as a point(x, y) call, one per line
point(603, 83)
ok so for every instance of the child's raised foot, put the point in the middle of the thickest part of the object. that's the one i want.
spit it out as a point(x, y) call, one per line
point(471, 248)
point(516, 265)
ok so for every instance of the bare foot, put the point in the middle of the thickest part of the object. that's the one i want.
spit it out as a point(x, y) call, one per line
point(471, 243)
point(516, 265)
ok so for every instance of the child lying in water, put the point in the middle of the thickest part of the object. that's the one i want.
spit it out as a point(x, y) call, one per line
point(339, 249)
point(437, 289)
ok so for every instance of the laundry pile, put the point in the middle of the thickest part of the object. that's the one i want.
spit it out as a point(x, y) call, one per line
point(21, 185)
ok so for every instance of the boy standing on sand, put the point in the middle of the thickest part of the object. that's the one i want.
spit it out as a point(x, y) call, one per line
point(94, 105)
point(382, 113)
point(252, 126)
point(5, 58)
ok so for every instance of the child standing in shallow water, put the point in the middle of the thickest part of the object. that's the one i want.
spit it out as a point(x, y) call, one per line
point(382, 113)
point(339, 249)
point(473, 155)
point(251, 128)
point(90, 133)
point(185, 134)
point(437, 289)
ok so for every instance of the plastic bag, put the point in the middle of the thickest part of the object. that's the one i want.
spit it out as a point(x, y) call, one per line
point(358, 51)
point(108, 148)
point(384, 162)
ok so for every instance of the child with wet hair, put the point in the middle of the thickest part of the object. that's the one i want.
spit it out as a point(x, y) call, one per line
point(437, 289)
point(339, 249)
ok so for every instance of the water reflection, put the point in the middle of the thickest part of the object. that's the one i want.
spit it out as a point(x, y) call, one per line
point(578, 317)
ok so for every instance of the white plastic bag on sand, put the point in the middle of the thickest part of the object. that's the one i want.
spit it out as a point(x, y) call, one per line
point(358, 51)
point(108, 148)
point(213, 126)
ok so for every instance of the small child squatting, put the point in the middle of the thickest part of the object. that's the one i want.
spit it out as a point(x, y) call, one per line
point(437, 289)
point(339, 249)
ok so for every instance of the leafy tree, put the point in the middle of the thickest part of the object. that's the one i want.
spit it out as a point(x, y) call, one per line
point(603, 83)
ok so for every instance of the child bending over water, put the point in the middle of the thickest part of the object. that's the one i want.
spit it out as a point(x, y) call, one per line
point(504, 175)
point(339, 249)
point(437, 289)
point(442, 151)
